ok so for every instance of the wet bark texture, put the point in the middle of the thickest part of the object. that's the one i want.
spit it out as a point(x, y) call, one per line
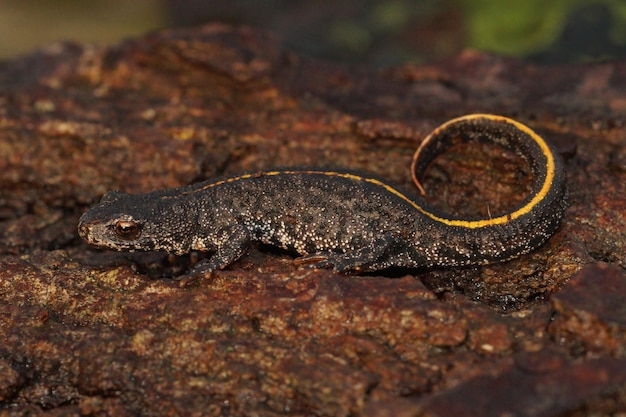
point(101, 333)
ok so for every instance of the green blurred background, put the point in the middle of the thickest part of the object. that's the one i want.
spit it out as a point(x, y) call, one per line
point(376, 32)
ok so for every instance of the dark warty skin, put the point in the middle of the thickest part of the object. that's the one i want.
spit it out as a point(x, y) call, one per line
point(338, 219)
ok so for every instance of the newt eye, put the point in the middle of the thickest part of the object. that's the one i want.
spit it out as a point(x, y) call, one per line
point(127, 230)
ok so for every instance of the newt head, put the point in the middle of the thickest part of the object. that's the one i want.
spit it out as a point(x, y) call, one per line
point(121, 222)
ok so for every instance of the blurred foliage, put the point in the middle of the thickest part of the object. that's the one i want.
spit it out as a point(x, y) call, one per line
point(515, 26)
point(524, 27)
point(377, 32)
point(28, 24)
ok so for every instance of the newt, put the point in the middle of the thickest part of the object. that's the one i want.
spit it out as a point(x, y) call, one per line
point(339, 219)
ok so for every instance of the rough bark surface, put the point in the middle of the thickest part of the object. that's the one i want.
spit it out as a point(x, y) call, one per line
point(100, 333)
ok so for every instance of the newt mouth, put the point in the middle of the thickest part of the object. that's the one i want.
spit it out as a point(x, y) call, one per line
point(84, 231)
